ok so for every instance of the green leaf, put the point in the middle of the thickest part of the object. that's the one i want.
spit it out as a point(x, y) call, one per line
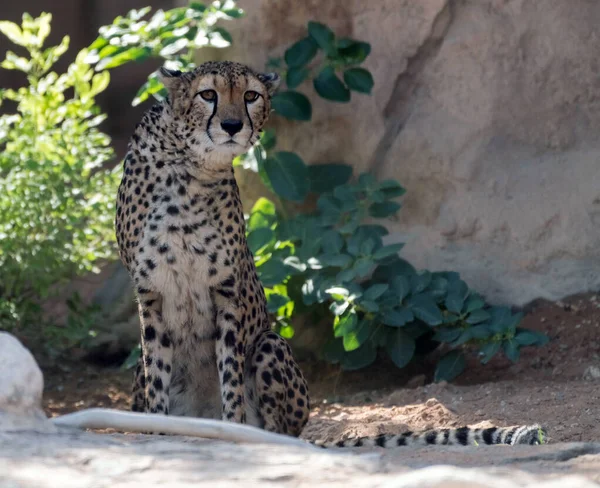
point(501, 319)
point(259, 238)
point(369, 306)
point(338, 291)
point(477, 316)
point(384, 209)
point(425, 309)
point(366, 248)
point(464, 337)
point(330, 87)
point(332, 242)
point(292, 105)
point(373, 229)
point(382, 336)
point(301, 53)
point(325, 177)
point(450, 366)
point(513, 322)
point(268, 140)
point(346, 275)
point(481, 331)
point(356, 338)
point(345, 324)
point(387, 272)
point(328, 204)
point(474, 302)
point(151, 87)
point(375, 291)
point(438, 287)
point(450, 318)
point(359, 79)
point(359, 358)
point(98, 44)
point(447, 334)
point(337, 260)
point(401, 287)
point(353, 51)
point(295, 76)
point(200, 7)
point(272, 272)
point(511, 350)
point(339, 308)
point(262, 214)
point(286, 331)
point(220, 37)
point(526, 337)
point(295, 263)
point(132, 54)
point(133, 358)
point(398, 317)
point(288, 175)
point(173, 47)
point(275, 301)
point(391, 189)
point(401, 348)
point(13, 32)
point(234, 13)
point(419, 282)
point(454, 302)
point(323, 36)
point(362, 267)
point(488, 351)
point(387, 251)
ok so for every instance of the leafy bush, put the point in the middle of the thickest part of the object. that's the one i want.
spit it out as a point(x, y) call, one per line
point(336, 256)
point(333, 261)
point(56, 201)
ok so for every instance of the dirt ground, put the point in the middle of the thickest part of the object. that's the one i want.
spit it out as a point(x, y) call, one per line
point(556, 385)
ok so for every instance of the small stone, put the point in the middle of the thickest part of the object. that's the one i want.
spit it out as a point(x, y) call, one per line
point(591, 373)
point(416, 381)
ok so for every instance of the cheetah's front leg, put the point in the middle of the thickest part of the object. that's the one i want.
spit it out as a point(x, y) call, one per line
point(157, 353)
point(230, 351)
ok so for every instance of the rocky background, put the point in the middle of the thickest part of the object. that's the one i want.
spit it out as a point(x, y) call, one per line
point(487, 111)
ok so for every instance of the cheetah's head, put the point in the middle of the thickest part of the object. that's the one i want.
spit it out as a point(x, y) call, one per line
point(220, 107)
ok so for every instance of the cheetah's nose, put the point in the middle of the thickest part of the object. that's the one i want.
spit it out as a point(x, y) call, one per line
point(232, 126)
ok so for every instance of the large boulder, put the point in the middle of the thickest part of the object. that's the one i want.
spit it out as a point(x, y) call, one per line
point(486, 110)
point(21, 388)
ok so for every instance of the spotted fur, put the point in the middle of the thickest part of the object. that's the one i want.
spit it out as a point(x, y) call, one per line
point(207, 347)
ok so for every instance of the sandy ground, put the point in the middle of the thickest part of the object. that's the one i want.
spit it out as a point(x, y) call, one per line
point(556, 385)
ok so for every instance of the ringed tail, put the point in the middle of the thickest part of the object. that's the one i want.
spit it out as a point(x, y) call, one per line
point(462, 436)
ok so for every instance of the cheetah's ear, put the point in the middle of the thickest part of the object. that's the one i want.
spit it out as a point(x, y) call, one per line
point(271, 81)
point(169, 77)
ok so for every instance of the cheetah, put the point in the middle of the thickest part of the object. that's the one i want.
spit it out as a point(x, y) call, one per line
point(208, 351)
point(207, 347)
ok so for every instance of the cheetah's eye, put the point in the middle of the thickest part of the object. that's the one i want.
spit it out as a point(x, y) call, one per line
point(209, 95)
point(250, 96)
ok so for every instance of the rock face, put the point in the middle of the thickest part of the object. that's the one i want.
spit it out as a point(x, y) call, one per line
point(21, 386)
point(487, 111)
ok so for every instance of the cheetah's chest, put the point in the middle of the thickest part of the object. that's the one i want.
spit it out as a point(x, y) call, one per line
point(183, 256)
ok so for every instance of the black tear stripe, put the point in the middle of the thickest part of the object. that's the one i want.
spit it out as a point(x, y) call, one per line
point(211, 117)
point(249, 118)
